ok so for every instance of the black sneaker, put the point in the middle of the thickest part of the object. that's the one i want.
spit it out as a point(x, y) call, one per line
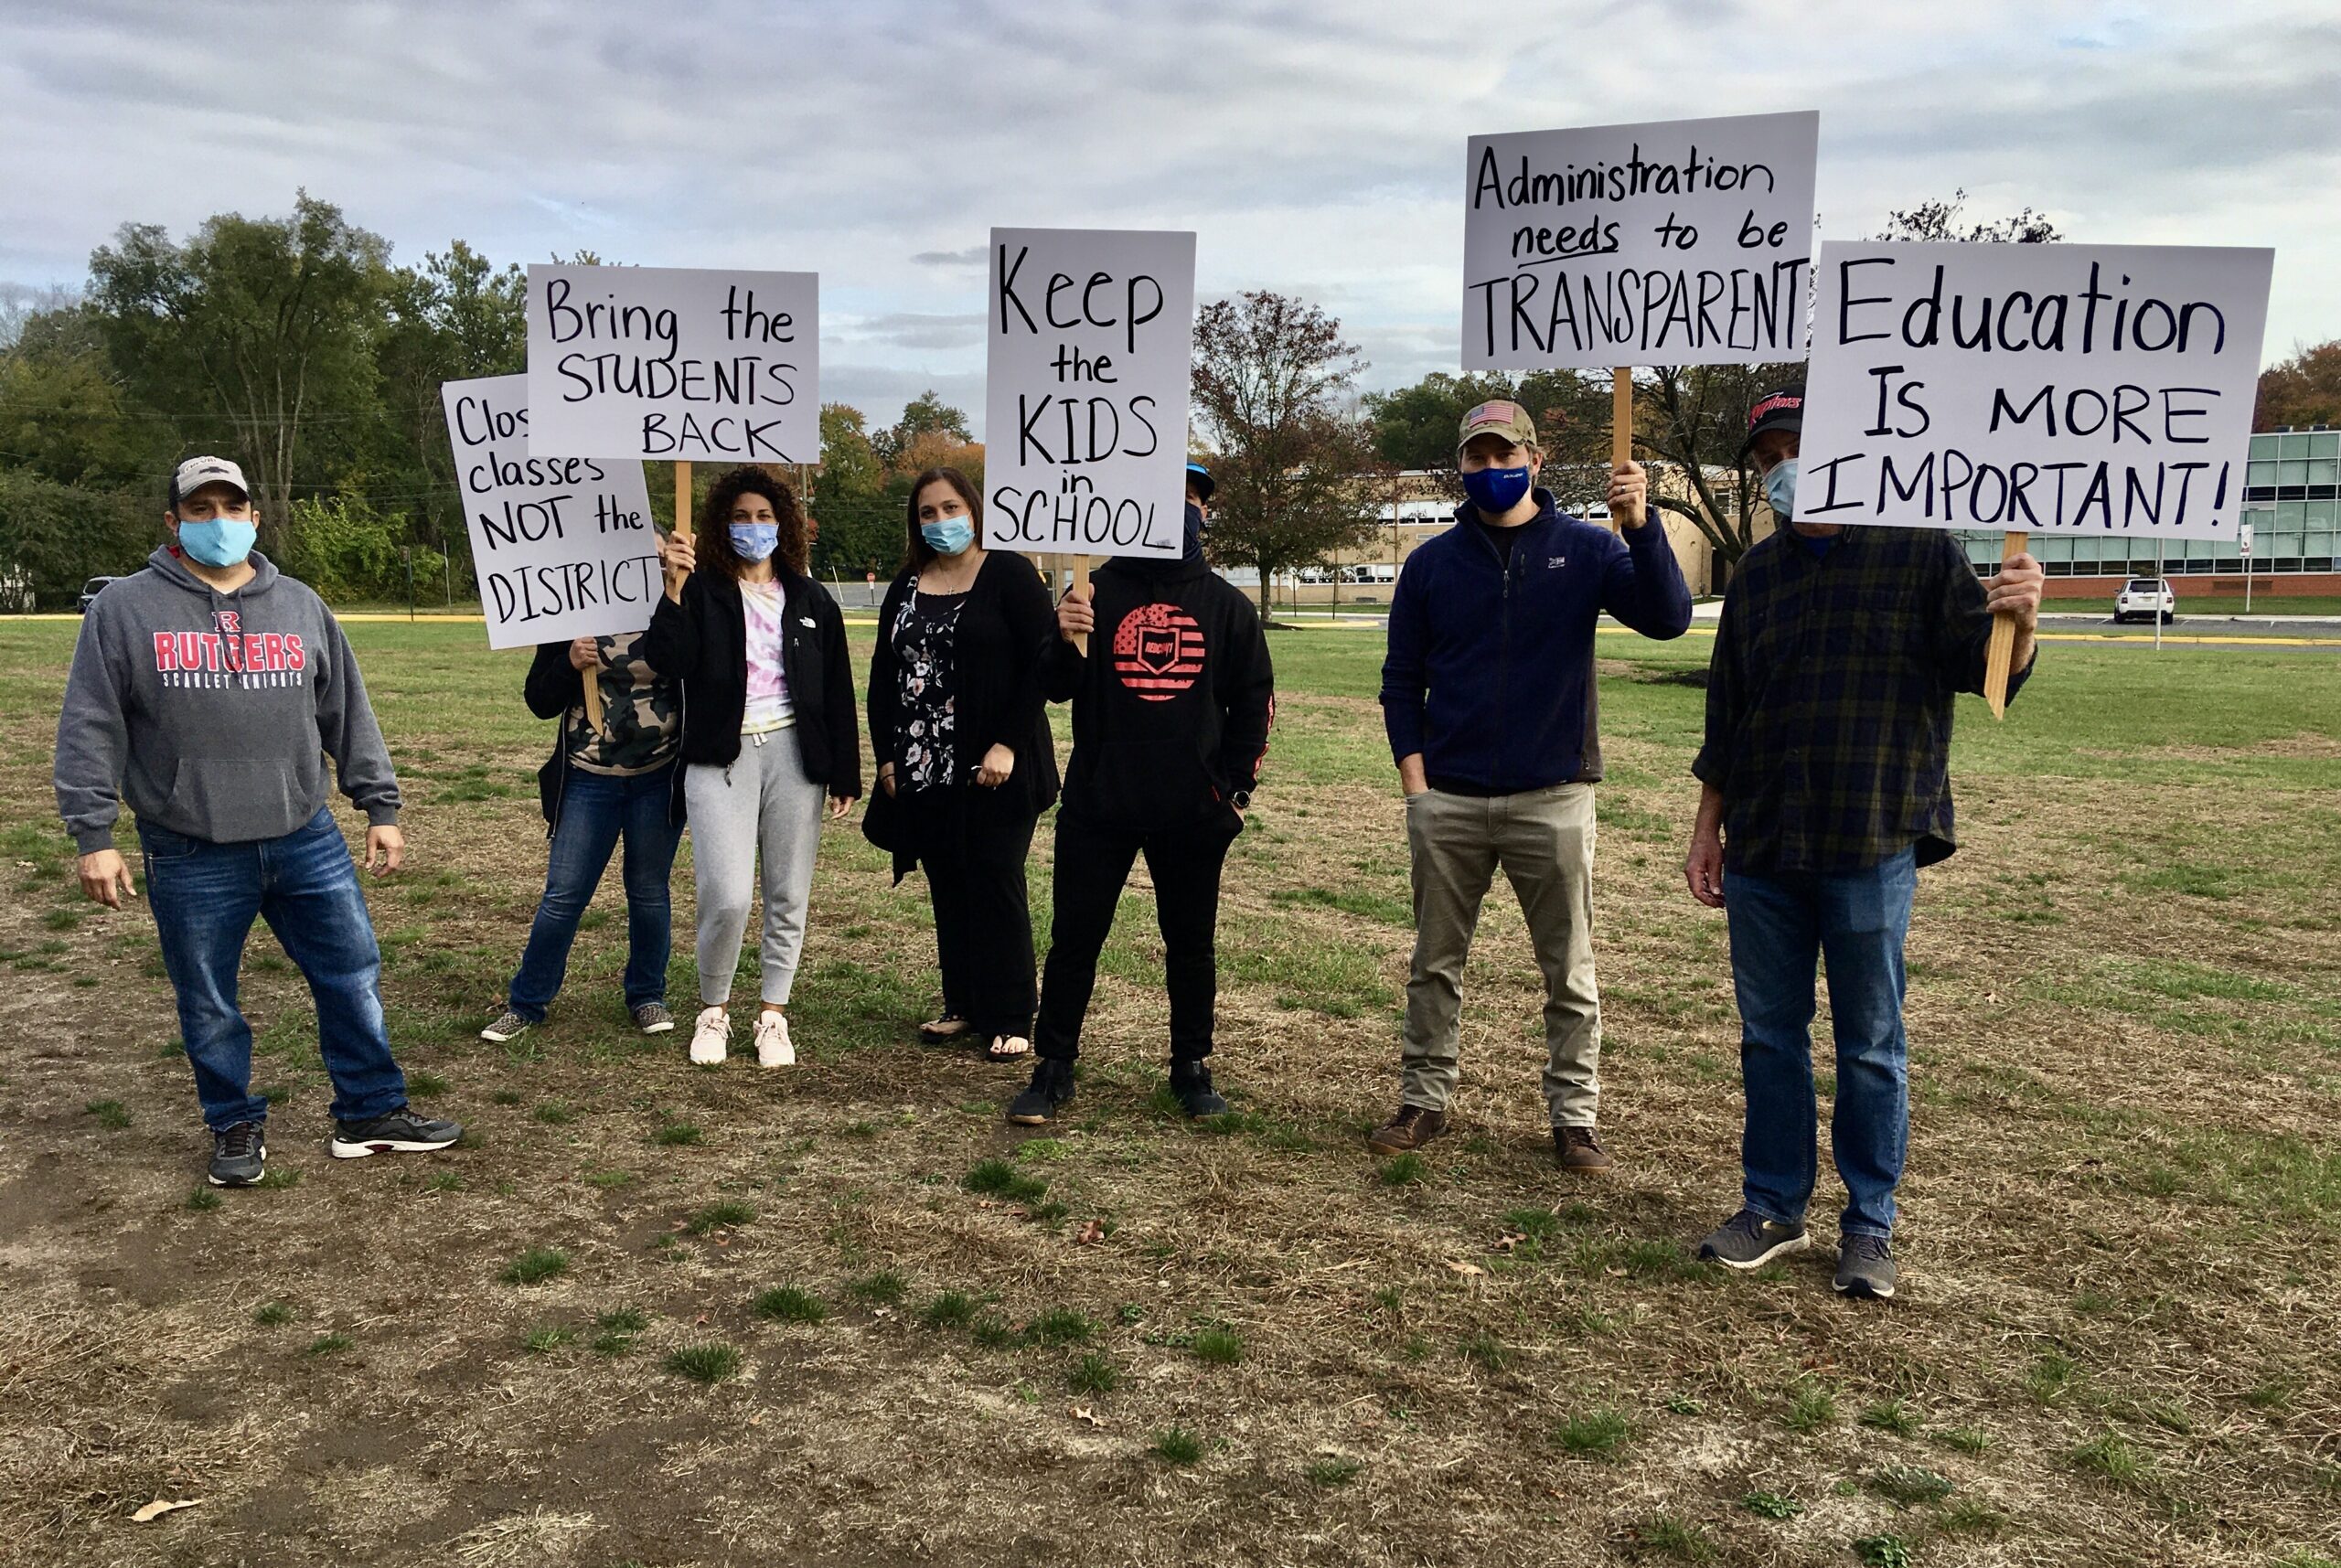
point(1748, 1241)
point(1190, 1080)
point(1866, 1267)
point(400, 1132)
point(239, 1155)
point(1052, 1086)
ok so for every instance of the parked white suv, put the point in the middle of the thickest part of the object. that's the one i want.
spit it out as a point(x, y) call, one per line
point(2145, 597)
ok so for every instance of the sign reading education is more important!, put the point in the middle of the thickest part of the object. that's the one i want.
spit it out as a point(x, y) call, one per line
point(675, 363)
point(2033, 389)
point(563, 545)
point(1680, 242)
point(1090, 339)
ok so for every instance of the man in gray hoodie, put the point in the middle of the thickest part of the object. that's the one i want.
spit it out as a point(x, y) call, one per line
point(207, 691)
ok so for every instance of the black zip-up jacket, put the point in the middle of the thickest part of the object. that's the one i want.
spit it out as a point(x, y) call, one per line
point(554, 687)
point(702, 644)
point(1171, 707)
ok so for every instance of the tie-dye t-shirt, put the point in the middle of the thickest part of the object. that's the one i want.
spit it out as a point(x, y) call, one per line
point(768, 705)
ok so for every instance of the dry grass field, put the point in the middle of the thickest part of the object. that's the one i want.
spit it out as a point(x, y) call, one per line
point(842, 1315)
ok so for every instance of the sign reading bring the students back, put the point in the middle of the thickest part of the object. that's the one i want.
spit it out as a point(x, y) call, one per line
point(1682, 242)
point(675, 363)
point(563, 545)
point(1086, 406)
point(2045, 389)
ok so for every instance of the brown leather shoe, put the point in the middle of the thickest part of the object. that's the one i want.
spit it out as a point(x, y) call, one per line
point(1411, 1128)
point(1579, 1149)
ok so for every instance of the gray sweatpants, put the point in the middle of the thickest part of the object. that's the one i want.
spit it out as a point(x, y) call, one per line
point(762, 802)
point(1543, 840)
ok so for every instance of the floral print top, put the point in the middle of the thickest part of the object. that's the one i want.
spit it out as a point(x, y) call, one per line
point(924, 631)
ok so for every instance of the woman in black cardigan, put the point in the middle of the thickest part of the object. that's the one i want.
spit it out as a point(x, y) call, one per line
point(965, 759)
point(758, 648)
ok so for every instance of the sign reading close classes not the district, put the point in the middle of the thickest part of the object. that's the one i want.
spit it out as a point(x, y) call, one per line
point(563, 545)
point(1679, 242)
point(2036, 388)
point(1090, 337)
point(676, 363)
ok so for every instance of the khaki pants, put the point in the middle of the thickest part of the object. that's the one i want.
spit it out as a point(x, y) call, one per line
point(1543, 840)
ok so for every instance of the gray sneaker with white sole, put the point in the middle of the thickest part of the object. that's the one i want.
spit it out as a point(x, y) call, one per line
point(1866, 1267)
point(1748, 1241)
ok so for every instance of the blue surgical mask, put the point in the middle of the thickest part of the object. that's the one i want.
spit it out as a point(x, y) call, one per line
point(948, 536)
point(1779, 489)
point(1495, 491)
point(754, 541)
point(219, 541)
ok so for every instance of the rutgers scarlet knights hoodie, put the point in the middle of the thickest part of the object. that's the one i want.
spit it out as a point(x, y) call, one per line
point(1171, 707)
point(212, 713)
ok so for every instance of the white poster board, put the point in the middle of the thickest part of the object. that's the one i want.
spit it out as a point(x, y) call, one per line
point(1678, 242)
point(2041, 389)
point(563, 545)
point(1089, 343)
point(675, 363)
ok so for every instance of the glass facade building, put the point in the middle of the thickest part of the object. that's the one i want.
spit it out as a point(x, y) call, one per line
point(2291, 498)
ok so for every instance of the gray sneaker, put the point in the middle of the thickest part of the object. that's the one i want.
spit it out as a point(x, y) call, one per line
point(239, 1155)
point(1748, 1241)
point(509, 1025)
point(652, 1017)
point(1866, 1267)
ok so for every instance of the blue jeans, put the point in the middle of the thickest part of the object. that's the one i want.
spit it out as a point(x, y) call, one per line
point(205, 897)
point(1779, 927)
point(596, 811)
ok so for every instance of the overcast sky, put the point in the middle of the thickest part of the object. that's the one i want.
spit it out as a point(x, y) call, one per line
point(1316, 147)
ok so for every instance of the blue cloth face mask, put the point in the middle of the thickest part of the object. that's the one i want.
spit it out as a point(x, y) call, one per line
point(219, 541)
point(1779, 489)
point(1495, 491)
point(1190, 546)
point(948, 536)
point(754, 541)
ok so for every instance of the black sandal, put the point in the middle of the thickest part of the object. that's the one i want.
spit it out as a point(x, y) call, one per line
point(945, 1031)
point(1008, 1048)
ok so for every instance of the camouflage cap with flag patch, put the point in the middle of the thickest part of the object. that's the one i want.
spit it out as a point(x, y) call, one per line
point(1498, 417)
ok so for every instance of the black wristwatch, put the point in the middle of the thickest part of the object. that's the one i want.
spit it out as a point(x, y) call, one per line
point(1241, 800)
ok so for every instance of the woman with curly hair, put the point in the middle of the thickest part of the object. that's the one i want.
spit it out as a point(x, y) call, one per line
point(768, 729)
point(961, 736)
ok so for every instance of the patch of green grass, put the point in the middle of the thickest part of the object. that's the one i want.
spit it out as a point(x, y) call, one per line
point(1598, 1434)
point(1404, 1170)
point(1971, 1515)
point(543, 1340)
point(536, 1265)
point(443, 1181)
point(1177, 1445)
point(272, 1314)
point(64, 917)
point(1094, 1372)
point(1383, 907)
point(1645, 1258)
point(554, 1112)
point(1811, 1407)
point(1536, 1224)
point(1771, 1505)
point(993, 1332)
point(676, 1134)
point(948, 1309)
point(1890, 1415)
point(787, 1304)
point(2112, 1457)
point(2052, 1377)
point(330, 1344)
point(998, 1179)
point(608, 1180)
point(506, 1097)
point(1483, 1349)
point(1966, 1439)
point(203, 1200)
point(109, 1113)
point(2273, 1394)
point(1039, 1151)
point(1061, 1326)
point(1665, 1535)
point(1885, 1552)
point(1331, 1471)
point(883, 1288)
point(728, 1214)
point(623, 1320)
point(1220, 1347)
point(709, 1361)
point(1906, 1486)
point(421, 1081)
point(279, 1178)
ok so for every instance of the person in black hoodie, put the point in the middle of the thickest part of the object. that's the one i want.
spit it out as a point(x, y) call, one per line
point(1170, 712)
point(769, 729)
point(963, 754)
point(617, 780)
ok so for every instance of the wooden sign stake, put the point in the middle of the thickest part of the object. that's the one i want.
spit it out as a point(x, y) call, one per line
point(2001, 651)
point(1080, 586)
point(1622, 421)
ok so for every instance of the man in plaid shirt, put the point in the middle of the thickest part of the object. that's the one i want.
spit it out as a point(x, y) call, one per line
point(1824, 786)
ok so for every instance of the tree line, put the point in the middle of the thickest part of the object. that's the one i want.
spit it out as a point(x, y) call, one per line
point(298, 345)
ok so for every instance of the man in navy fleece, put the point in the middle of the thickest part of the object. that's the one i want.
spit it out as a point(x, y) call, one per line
point(1488, 695)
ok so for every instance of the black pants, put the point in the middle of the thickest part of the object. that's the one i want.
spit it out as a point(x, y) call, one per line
point(974, 850)
point(1093, 863)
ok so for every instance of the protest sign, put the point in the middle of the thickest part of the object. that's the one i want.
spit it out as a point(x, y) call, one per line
point(1680, 242)
point(563, 545)
point(1090, 336)
point(2062, 388)
point(675, 363)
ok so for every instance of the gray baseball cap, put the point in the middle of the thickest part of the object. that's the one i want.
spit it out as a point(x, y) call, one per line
point(196, 472)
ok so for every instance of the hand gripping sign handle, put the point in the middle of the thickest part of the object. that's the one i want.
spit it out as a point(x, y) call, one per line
point(2001, 651)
